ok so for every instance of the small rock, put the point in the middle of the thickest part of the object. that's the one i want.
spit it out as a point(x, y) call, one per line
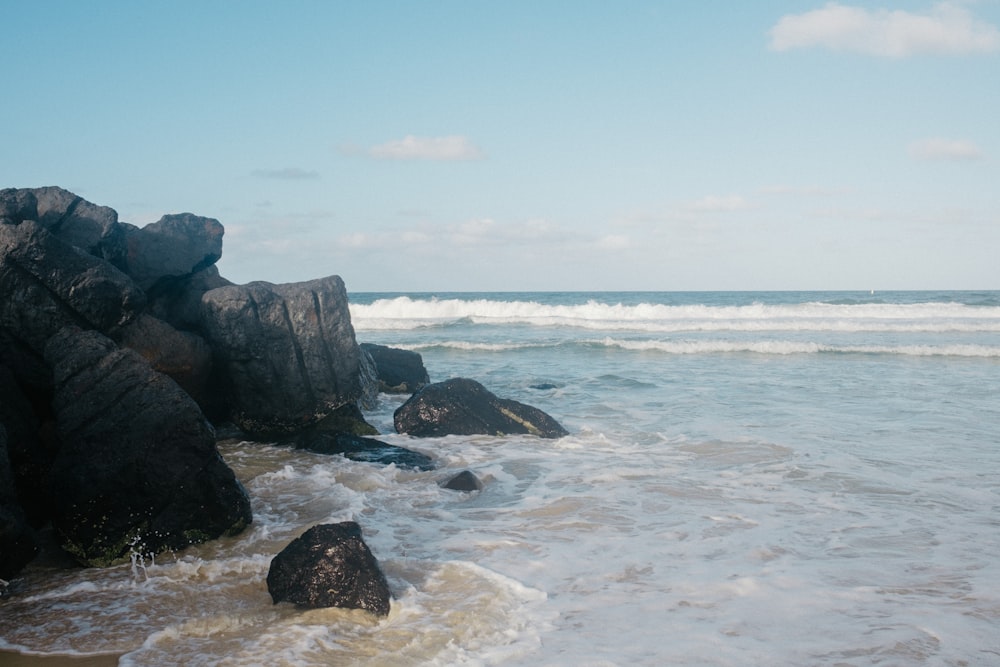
point(329, 566)
point(463, 481)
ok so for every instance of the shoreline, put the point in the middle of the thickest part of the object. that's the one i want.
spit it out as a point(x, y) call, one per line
point(10, 658)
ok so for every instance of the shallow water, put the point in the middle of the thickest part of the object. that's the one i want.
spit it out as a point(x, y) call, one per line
point(810, 480)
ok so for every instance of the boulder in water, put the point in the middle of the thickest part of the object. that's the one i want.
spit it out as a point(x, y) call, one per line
point(399, 371)
point(360, 448)
point(465, 407)
point(463, 481)
point(329, 566)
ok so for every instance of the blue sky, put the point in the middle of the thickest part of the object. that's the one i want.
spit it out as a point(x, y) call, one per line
point(421, 146)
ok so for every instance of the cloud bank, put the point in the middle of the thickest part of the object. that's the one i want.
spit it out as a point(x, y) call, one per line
point(945, 149)
point(945, 29)
point(449, 148)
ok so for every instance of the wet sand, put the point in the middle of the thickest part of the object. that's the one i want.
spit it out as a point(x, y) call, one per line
point(8, 659)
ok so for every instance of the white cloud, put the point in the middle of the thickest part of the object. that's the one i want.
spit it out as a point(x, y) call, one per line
point(719, 203)
point(945, 149)
point(945, 29)
point(287, 174)
point(453, 147)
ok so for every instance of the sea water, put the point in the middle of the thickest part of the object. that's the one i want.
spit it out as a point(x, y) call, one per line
point(751, 479)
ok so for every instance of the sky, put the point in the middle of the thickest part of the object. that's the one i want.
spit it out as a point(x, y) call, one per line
point(529, 145)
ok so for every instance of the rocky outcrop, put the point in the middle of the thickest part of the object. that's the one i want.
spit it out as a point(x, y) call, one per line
point(288, 352)
point(329, 566)
point(70, 218)
point(398, 371)
point(184, 356)
point(29, 455)
point(137, 470)
point(17, 540)
point(173, 248)
point(465, 407)
point(48, 284)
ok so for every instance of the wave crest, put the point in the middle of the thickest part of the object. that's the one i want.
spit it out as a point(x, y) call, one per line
point(406, 313)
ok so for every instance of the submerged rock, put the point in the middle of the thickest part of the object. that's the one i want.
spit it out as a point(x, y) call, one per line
point(360, 448)
point(463, 481)
point(465, 407)
point(137, 470)
point(329, 566)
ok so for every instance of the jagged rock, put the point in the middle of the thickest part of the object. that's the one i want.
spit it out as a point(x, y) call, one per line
point(329, 566)
point(72, 219)
point(48, 284)
point(465, 407)
point(174, 247)
point(359, 448)
point(288, 352)
point(399, 371)
point(137, 470)
point(463, 481)
point(17, 541)
point(182, 355)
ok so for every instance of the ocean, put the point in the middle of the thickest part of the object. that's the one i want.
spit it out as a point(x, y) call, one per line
point(752, 478)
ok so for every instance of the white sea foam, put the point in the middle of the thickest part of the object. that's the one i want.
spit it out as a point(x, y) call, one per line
point(796, 347)
point(403, 313)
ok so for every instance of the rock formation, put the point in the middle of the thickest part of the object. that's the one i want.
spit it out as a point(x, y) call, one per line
point(288, 352)
point(465, 407)
point(137, 470)
point(329, 566)
point(17, 541)
point(398, 371)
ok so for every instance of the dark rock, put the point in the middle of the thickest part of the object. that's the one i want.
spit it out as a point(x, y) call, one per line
point(174, 247)
point(329, 566)
point(48, 284)
point(73, 220)
point(178, 301)
point(347, 418)
point(137, 470)
point(369, 380)
point(288, 352)
point(399, 371)
point(463, 481)
point(29, 455)
point(465, 407)
point(17, 541)
point(182, 355)
point(359, 448)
